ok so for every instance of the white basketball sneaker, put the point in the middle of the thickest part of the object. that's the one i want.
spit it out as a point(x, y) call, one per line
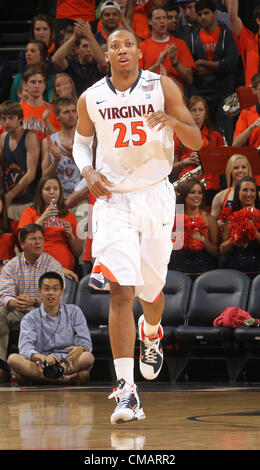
point(151, 353)
point(128, 407)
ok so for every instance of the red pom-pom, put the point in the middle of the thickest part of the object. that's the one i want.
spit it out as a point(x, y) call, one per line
point(225, 213)
point(192, 225)
point(243, 225)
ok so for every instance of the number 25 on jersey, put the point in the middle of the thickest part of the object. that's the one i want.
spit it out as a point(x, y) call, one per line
point(138, 134)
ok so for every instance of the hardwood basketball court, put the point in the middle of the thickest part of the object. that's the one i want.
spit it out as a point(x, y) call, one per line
point(182, 417)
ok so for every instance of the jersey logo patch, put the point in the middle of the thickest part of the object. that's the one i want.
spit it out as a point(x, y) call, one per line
point(149, 87)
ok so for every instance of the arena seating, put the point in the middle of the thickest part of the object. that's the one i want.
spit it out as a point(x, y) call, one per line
point(15, 22)
point(248, 339)
point(190, 309)
point(212, 292)
point(69, 292)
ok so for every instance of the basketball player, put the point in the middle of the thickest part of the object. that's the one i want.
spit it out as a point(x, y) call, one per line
point(133, 113)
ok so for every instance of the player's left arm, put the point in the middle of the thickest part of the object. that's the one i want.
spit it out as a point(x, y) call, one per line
point(177, 116)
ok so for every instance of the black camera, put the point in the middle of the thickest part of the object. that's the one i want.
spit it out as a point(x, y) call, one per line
point(53, 371)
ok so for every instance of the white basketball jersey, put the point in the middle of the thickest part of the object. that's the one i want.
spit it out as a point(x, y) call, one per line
point(130, 154)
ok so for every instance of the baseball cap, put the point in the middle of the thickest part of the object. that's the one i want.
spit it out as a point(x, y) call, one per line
point(110, 4)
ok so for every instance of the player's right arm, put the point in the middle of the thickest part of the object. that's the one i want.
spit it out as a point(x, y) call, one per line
point(236, 22)
point(83, 154)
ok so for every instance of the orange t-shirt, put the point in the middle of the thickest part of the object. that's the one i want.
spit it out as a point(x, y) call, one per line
point(8, 242)
point(140, 25)
point(209, 41)
point(151, 50)
point(32, 119)
point(246, 118)
point(55, 240)
point(247, 44)
point(74, 9)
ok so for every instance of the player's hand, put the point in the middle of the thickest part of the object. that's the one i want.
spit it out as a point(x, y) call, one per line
point(161, 118)
point(97, 183)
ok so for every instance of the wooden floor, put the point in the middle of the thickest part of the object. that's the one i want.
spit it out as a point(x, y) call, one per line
point(181, 417)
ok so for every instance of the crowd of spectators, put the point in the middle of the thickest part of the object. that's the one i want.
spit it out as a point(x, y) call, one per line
point(209, 48)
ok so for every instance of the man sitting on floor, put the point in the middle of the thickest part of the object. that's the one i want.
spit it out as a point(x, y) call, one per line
point(54, 342)
point(19, 285)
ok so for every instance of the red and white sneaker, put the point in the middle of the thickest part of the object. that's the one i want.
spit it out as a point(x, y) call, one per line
point(129, 406)
point(151, 353)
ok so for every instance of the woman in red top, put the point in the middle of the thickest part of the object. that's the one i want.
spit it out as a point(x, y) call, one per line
point(187, 159)
point(60, 225)
point(8, 233)
point(240, 248)
point(199, 241)
point(237, 167)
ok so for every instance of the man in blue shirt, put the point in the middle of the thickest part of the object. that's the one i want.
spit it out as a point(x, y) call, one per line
point(54, 334)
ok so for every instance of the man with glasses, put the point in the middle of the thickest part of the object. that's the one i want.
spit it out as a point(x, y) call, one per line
point(19, 285)
point(54, 342)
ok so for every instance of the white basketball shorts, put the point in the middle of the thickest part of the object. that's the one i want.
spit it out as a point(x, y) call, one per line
point(132, 241)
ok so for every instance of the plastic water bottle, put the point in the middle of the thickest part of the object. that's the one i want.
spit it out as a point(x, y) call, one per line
point(53, 203)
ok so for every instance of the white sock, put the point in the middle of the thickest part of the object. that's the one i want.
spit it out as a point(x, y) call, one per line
point(150, 330)
point(124, 367)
